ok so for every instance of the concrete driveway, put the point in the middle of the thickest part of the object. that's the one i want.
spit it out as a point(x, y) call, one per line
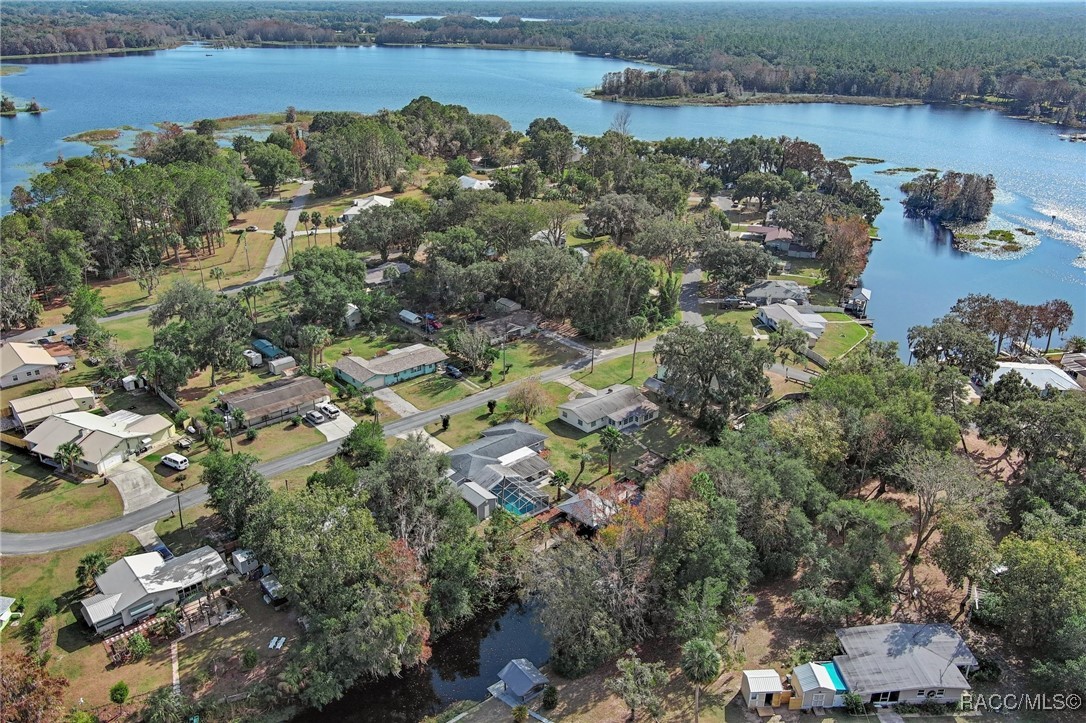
point(395, 402)
point(137, 486)
point(338, 428)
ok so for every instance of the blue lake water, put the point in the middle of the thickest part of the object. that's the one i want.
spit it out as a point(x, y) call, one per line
point(914, 273)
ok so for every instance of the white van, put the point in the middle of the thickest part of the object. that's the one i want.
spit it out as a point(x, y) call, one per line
point(177, 461)
point(410, 317)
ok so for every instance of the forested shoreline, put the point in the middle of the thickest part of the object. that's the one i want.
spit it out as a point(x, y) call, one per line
point(1024, 61)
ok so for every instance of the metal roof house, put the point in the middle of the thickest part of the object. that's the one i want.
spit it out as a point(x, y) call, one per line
point(35, 409)
point(267, 403)
point(761, 688)
point(588, 509)
point(136, 586)
point(362, 205)
point(505, 463)
point(396, 366)
point(522, 679)
point(1041, 376)
point(105, 441)
point(776, 292)
point(22, 363)
point(379, 275)
point(773, 315)
point(474, 184)
point(619, 405)
point(904, 663)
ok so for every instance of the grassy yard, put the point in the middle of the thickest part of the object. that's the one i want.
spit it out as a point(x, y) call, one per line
point(617, 371)
point(132, 333)
point(141, 402)
point(363, 344)
point(198, 521)
point(745, 319)
point(33, 499)
point(433, 390)
point(840, 337)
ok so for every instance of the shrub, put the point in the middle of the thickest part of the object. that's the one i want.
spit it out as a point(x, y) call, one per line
point(249, 659)
point(854, 704)
point(119, 692)
point(550, 697)
point(520, 713)
point(46, 610)
point(82, 716)
point(139, 646)
point(988, 671)
point(296, 420)
point(250, 434)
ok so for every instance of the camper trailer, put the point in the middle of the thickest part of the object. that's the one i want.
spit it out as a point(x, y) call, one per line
point(410, 317)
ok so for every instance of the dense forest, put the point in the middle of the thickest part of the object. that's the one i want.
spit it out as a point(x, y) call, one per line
point(1023, 55)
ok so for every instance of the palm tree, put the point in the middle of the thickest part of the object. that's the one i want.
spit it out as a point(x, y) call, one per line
point(170, 620)
point(210, 418)
point(217, 273)
point(561, 479)
point(582, 457)
point(303, 217)
point(279, 231)
point(639, 328)
point(68, 454)
point(316, 216)
point(700, 664)
point(91, 566)
point(237, 416)
point(165, 706)
point(329, 223)
point(611, 440)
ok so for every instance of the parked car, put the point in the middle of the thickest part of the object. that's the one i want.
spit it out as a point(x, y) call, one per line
point(453, 372)
point(314, 417)
point(177, 461)
point(746, 305)
point(251, 228)
point(68, 339)
point(328, 409)
point(93, 361)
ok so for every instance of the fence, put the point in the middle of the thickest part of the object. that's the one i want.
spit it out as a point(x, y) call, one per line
point(816, 357)
point(13, 440)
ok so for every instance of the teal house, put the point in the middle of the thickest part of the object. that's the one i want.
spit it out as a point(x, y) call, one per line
point(396, 366)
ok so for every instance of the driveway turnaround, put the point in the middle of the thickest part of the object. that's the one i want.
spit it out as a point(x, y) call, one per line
point(395, 402)
point(137, 486)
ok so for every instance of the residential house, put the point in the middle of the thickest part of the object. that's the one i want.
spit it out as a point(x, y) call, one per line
point(774, 315)
point(276, 400)
point(817, 685)
point(28, 412)
point(22, 363)
point(588, 509)
point(904, 663)
point(136, 586)
point(506, 306)
point(1074, 363)
point(777, 292)
point(780, 240)
point(474, 184)
point(506, 463)
point(1042, 376)
point(362, 205)
point(105, 441)
point(379, 275)
point(522, 680)
point(761, 688)
point(511, 326)
point(396, 366)
point(619, 405)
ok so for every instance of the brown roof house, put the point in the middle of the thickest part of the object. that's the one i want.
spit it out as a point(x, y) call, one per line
point(105, 441)
point(269, 403)
point(23, 363)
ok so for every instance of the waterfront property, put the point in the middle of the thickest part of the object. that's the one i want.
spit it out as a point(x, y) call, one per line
point(857, 302)
point(504, 467)
point(761, 688)
point(904, 663)
point(136, 586)
point(780, 240)
point(777, 291)
point(522, 680)
point(619, 405)
point(392, 368)
point(1074, 363)
point(104, 442)
point(774, 315)
point(283, 398)
point(23, 363)
point(28, 412)
point(817, 685)
point(1042, 376)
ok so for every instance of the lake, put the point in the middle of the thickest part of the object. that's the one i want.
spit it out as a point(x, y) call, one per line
point(914, 273)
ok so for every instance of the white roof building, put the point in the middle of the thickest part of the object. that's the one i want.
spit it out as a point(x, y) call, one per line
point(773, 315)
point(759, 687)
point(619, 405)
point(22, 363)
point(32, 410)
point(105, 441)
point(1039, 375)
point(474, 184)
point(136, 586)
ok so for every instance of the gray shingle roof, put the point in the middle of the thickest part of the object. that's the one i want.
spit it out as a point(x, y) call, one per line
point(478, 461)
point(902, 656)
point(521, 676)
point(396, 361)
point(616, 402)
point(777, 290)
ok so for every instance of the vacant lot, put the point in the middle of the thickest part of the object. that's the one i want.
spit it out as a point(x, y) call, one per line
point(33, 499)
point(617, 371)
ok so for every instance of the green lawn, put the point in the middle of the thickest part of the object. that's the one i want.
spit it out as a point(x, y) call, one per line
point(363, 344)
point(133, 332)
point(33, 499)
point(743, 318)
point(197, 522)
point(433, 390)
point(617, 371)
point(840, 336)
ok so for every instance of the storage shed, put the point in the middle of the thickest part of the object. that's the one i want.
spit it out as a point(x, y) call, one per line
point(761, 688)
point(522, 679)
point(244, 561)
point(282, 366)
point(817, 685)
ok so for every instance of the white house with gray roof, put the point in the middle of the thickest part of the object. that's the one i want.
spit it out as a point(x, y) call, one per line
point(774, 315)
point(136, 586)
point(105, 442)
point(776, 292)
point(31, 411)
point(619, 405)
point(904, 663)
point(394, 367)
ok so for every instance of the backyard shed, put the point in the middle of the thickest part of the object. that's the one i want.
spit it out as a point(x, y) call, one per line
point(761, 688)
point(817, 685)
point(507, 306)
point(244, 561)
point(282, 365)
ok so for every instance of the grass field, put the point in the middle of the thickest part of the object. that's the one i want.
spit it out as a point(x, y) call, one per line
point(33, 499)
point(617, 371)
point(840, 337)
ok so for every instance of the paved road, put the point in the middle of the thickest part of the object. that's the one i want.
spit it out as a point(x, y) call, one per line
point(688, 296)
point(277, 255)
